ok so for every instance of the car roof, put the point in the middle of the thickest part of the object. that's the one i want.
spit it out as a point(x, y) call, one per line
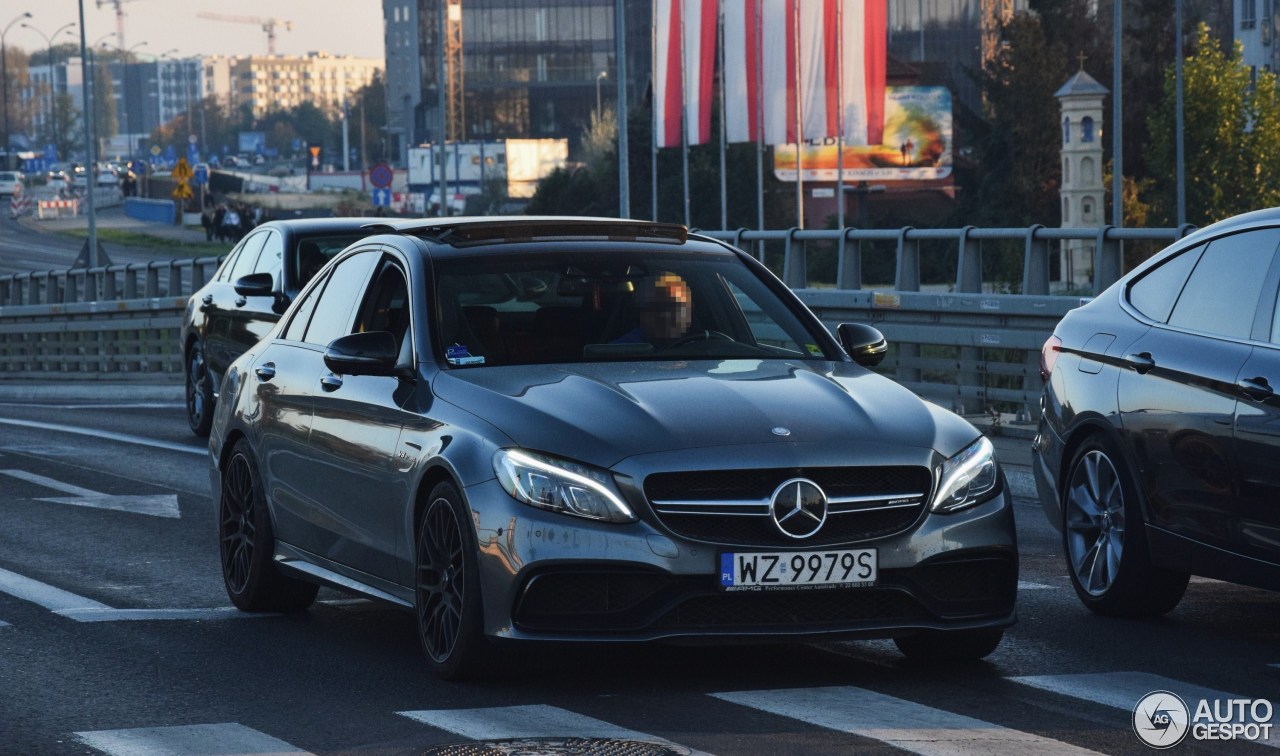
point(465, 231)
point(303, 226)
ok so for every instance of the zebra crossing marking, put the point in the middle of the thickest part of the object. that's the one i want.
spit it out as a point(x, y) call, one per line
point(913, 727)
point(225, 739)
point(531, 721)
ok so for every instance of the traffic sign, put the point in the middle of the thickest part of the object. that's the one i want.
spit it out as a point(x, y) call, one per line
point(382, 197)
point(181, 192)
point(182, 171)
point(381, 176)
point(155, 150)
point(201, 176)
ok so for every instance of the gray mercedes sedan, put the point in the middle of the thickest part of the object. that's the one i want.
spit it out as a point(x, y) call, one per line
point(595, 430)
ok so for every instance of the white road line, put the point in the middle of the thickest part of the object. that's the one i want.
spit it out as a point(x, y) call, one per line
point(913, 727)
point(82, 609)
point(1026, 586)
point(156, 505)
point(227, 739)
point(53, 599)
point(108, 435)
point(88, 406)
point(5, 624)
point(534, 721)
point(1123, 690)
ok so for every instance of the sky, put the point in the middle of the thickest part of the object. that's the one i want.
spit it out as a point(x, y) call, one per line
point(341, 27)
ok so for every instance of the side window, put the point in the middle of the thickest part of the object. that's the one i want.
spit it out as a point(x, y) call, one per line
point(335, 309)
point(302, 314)
point(1221, 296)
point(248, 258)
point(271, 257)
point(1153, 295)
point(224, 270)
point(386, 305)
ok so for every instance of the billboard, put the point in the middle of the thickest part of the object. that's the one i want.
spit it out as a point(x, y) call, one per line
point(252, 142)
point(917, 144)
point(523, 162)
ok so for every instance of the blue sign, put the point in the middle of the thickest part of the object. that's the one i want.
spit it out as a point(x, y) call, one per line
point(170, 153)
point(51, 153)
point(381, 176)
point(34, 165)
point(382, 198)
point(193, 154)
point(139, 167)
point(201, 176)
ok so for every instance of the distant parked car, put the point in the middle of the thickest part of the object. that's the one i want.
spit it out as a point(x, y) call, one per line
point(10, 183)
point(1158, 441)
point(252, 287)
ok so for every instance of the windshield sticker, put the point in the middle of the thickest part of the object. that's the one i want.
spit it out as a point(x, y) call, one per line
point(458, 354)
point(814, 350)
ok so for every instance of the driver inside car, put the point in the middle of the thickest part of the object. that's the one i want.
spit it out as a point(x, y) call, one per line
point(664, 309)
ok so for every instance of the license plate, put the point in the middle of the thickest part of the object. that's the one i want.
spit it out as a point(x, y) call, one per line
point(797, 570)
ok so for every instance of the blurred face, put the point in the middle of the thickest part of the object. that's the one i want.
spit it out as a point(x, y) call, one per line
point(665, 307)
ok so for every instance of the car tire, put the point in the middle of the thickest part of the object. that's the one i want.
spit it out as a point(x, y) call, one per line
point(1104, 538)
point(447, 589)
point(199, 391)
point(950, 645)
point(246, 543)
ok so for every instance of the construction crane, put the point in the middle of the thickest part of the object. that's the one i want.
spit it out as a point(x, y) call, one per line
point(119, 6)
point(456, 103)
point(268, 25)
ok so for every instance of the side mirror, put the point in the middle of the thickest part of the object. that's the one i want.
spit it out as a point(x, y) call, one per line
point(255, 285)
point(372, 353)
point(865, 344)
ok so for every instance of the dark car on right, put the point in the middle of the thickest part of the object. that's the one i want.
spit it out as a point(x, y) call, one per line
point(251, 289)
point(1160, 425)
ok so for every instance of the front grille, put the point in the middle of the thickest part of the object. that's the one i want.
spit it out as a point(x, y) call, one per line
point(779, 610)
point(731, 507)
point(956, 585)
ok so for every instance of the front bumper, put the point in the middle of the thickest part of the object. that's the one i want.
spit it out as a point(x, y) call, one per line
point(552, 577)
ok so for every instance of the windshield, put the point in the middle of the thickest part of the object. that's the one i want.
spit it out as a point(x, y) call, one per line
point(611, 306)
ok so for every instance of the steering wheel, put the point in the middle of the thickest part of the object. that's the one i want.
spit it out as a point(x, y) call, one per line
point(704, 335)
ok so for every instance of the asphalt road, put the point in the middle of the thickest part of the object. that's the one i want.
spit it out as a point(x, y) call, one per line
point(23, 250)
point(116, 637)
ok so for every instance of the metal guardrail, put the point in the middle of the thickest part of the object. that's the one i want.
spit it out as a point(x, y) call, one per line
point(967, 350)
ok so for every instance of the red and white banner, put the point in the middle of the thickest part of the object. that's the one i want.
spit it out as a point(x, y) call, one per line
point(781, 55)
point(697, 59)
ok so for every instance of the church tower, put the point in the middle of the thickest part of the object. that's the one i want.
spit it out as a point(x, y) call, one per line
point(1082, 192)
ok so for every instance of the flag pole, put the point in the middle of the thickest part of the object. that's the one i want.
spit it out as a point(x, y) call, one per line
point(840, 114)
point(795, 38)
point(653, 106)
point(684, 109)
point(724, 193)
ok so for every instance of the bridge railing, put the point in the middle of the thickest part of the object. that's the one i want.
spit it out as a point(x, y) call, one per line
point(968, 349)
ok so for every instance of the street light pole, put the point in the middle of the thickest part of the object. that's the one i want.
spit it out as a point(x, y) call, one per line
point(48, 41)
point(4, 74)
point(86, 75)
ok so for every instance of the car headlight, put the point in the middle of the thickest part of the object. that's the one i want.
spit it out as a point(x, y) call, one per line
point(560, 485)
point(967, 478)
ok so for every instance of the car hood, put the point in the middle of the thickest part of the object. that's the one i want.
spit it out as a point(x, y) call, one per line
point(602, 413)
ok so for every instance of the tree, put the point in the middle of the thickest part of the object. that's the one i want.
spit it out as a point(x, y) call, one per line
point(1231, 133)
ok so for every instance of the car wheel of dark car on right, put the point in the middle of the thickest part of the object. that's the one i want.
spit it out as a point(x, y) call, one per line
point(1159, 429)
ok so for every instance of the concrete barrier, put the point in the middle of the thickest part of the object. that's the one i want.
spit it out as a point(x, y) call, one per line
point(155, 211)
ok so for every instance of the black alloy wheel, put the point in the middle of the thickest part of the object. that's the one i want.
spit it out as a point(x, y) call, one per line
point(246, 543)
point(1104, 538)
point(199, 392)
point(447, 591)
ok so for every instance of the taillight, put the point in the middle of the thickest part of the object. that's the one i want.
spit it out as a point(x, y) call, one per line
point(1049, 356)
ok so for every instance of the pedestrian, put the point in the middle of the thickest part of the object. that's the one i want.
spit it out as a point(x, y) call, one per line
point(231, 224)
point(206, 220)
point(219, 217)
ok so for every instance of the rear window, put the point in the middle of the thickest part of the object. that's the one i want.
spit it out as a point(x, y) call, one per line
point(311, 253)
point(7, 176)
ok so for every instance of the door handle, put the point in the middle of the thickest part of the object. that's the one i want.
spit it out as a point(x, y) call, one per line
point(1256, 389)
point(266, 371)
point(330, 382)
point(241, 301)
point(1141, 362)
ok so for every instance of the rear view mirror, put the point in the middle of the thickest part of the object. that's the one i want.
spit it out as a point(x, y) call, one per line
point(372, 353)
point(866, 345)
point(255, 285)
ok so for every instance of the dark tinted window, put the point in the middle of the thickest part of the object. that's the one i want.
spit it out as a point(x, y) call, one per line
point(248, 259)
point(312, 252)
point(269, 259)
point(386, 306)
point(1154, 294)
point(334, 311)
point(302, 314)
point(1222, 294)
